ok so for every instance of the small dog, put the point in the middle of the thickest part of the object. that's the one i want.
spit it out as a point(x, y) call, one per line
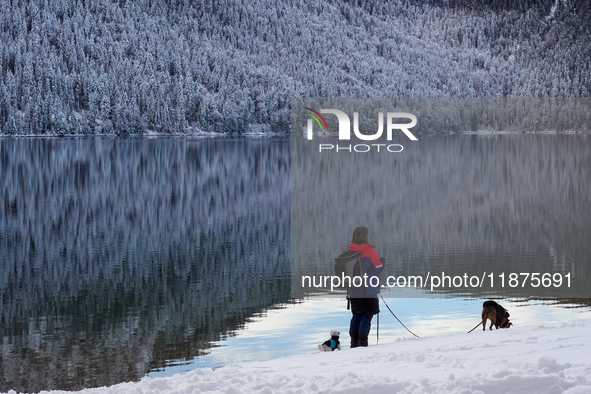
point(332, 344)
point(496, 314)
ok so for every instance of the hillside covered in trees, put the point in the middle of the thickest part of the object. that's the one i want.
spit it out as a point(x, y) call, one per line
point(230, 66)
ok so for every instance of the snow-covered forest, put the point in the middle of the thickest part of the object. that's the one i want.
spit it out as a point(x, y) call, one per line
point(229, 66)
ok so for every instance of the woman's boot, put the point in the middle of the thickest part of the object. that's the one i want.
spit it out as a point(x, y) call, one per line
point(362, 339)
point(354, 338)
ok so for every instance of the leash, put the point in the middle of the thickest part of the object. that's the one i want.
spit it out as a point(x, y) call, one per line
point(398, 318)
point(474, 328)
point(378, 330)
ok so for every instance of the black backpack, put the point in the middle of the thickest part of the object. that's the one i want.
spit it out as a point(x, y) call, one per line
point(347, 264)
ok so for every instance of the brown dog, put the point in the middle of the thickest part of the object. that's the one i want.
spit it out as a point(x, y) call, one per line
point(496, 314)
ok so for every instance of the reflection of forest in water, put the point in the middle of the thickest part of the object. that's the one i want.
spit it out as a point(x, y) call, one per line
point(458, 204)
point(120, 254)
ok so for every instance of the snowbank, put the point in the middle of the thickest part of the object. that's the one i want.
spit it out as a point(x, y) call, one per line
point(550, 358)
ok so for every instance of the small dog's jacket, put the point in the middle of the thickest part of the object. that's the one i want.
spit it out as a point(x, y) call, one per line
point(333, 342)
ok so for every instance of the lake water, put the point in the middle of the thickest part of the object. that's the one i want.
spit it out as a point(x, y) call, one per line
point(126, 257)
point(480, 205)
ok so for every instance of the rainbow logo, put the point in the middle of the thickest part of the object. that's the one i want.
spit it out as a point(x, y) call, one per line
point(315, 115)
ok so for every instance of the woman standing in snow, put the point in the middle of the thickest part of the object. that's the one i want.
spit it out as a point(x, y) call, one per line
point(364, 299)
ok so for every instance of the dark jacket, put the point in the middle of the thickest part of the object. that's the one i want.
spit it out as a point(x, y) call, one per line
point(371, 265)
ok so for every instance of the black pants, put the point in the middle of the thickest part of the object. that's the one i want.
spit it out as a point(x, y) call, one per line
point(365, 306)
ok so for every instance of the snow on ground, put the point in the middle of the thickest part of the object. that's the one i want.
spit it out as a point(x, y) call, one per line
point(553, 358)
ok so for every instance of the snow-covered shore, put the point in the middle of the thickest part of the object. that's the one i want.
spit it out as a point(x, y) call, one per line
point(551, 358)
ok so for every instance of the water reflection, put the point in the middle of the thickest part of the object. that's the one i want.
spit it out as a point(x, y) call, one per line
point(456, 204)
point(119, 255)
